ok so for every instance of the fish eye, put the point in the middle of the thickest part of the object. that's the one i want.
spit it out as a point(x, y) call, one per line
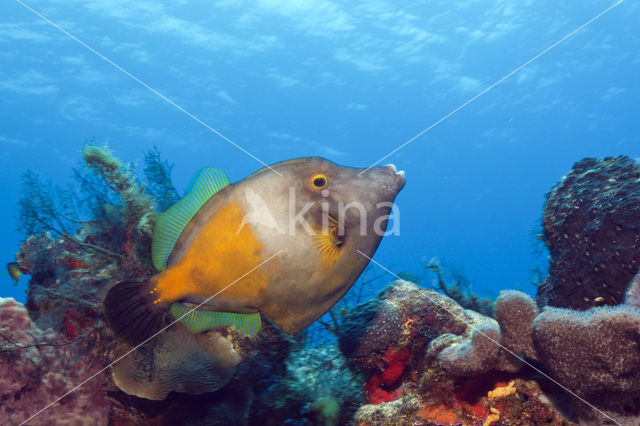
point(319, 181)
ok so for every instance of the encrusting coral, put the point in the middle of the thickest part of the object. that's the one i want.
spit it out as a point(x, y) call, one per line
point(383, 343)
point(595, 354)
point(37, 366)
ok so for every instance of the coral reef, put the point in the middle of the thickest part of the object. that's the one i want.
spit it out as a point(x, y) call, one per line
point(594, 354)
point(37, 366)
point(591, 228)
point(459, 290)
point(217, 377)
point(381, 343)
point(408, 356)
point(426, 359)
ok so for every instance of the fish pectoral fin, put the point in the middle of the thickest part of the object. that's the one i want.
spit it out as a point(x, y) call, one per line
point(328, 240)
point(198, 321)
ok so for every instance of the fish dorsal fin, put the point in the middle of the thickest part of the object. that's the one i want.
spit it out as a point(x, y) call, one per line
point(197, 320)
point(171, 223)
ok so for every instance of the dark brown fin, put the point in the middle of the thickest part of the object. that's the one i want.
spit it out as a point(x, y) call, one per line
point(131, 313)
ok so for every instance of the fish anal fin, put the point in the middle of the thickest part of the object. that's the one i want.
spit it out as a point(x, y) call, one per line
point(198, 321)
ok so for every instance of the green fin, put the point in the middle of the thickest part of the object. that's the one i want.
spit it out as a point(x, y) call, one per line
point(198, 321)
point(170, 225)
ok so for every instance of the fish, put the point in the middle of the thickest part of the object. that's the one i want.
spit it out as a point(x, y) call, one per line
point(286, 242)
point(14, 271)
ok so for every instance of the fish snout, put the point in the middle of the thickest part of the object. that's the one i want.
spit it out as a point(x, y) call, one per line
point(397, 176)
point(384, 182)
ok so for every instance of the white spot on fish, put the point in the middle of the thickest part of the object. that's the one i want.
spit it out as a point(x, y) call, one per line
point(259, 214)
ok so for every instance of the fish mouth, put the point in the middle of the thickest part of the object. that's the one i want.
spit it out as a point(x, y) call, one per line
point(399, 174)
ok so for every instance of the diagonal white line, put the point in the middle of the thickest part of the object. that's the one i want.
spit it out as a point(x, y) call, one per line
point(475, 329)
point(163, 329)
point(493, 85)
point(128, 74)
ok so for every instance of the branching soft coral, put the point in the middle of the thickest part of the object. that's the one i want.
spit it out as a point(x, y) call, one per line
point(137, 207)
point(41, 207)
point(159, 185)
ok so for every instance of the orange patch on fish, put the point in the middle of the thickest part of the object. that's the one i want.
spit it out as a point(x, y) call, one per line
point(195, 274)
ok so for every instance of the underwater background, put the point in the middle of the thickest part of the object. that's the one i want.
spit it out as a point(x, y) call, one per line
point(232, 84)
point(346, 81)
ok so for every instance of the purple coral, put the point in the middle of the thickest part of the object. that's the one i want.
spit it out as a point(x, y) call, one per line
point(36, 367)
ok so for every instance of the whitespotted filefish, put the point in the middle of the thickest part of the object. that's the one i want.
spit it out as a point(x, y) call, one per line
point(312, 220)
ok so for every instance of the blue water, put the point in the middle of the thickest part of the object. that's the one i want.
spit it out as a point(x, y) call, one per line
point(349, 81)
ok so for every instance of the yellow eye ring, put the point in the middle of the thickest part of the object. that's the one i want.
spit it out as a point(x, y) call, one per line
point(319, 181)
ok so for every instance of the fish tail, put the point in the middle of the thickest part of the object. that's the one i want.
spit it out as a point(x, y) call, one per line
point(133, 312)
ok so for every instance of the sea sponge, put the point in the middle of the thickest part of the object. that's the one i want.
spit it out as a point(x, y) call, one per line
point(369, 328)
point(595, 353)
point(592, 230)
point(473, 353)
point(515, 312)
point(633, 292)
point(177, 360)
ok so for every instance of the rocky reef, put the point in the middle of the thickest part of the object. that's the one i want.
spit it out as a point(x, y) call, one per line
point(531, 363)
point(410, 355)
